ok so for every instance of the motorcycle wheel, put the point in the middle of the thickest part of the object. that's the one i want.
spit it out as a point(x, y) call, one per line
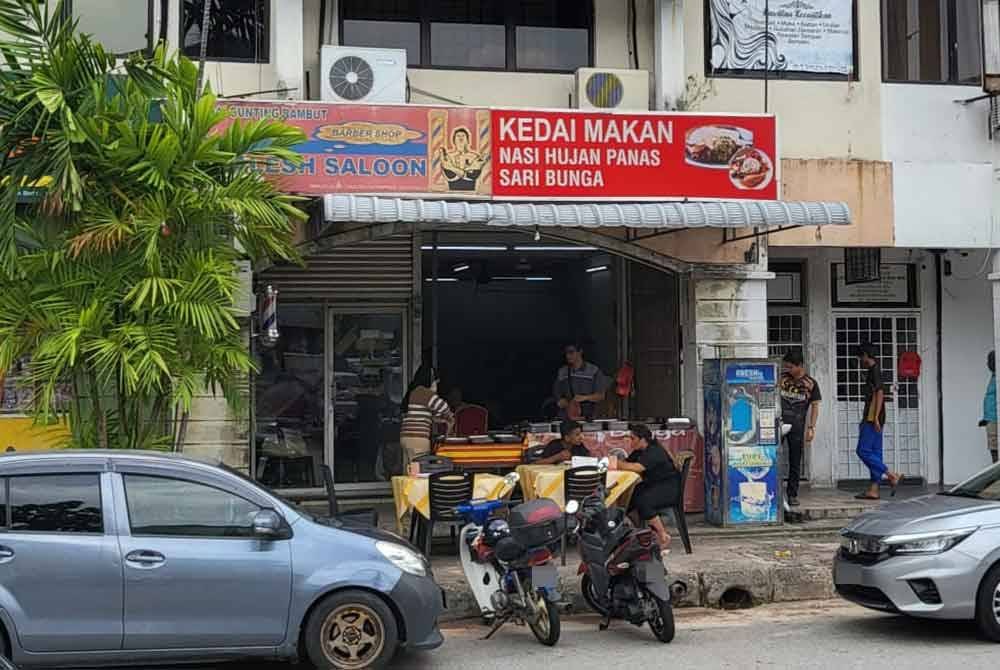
point(589, 592)
point(663, 623)
point(546, 625)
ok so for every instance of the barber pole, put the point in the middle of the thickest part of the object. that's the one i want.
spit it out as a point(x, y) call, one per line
point(269, 317)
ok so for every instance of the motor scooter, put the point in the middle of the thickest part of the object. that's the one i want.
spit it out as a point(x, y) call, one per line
point(621, 567)
point(508, 564)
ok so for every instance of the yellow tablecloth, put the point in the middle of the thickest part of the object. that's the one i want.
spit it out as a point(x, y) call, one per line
point(411, 493)
point(546, 481)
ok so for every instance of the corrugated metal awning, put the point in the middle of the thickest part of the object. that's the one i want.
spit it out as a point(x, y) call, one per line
point(722, 214)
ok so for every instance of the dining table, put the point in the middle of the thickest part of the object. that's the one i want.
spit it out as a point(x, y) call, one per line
point(411, 493)
point(546, 481)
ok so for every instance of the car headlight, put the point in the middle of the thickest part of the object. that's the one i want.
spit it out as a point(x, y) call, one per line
point(403, 558)
point(917, 544)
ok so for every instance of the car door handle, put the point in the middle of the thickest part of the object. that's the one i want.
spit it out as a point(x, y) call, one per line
point(145, 558)
point(6, 554)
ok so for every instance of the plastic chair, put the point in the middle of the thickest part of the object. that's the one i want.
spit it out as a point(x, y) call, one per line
point(360, 517)
point(431, 464)
point(580, 483)
point(446, 491)
point(677, 507)
point(472, 420)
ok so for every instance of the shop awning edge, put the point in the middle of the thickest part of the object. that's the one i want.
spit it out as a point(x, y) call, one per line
point(344, 208)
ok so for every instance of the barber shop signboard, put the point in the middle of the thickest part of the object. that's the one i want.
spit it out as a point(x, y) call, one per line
point(500, 154)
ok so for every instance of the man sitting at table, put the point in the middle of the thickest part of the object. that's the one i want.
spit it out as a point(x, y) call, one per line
point(564, 449)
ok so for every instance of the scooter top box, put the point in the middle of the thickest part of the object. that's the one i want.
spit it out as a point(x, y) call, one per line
point(537, 523)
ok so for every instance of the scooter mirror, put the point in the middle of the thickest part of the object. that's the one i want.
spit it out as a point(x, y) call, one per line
point(603, 464)
point(786, 428)
point(572, 507)
point(512, 478)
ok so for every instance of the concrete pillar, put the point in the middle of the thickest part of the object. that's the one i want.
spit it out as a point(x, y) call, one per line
point(217, 432)
point(726, 318)
point(668, 52)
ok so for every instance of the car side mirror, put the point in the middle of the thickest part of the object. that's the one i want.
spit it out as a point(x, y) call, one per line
point(267, 525)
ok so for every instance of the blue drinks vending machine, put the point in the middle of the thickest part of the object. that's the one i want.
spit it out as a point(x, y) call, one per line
point(742, 436)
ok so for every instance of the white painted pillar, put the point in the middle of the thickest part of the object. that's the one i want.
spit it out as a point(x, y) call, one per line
point(287, 38)
point(727, 319)
point(668, 52)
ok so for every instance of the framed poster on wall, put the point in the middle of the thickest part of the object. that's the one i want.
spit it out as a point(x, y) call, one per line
point(897, 287)
point(790, 38)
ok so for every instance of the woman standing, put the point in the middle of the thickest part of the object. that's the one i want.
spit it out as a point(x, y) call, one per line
point(661, 482)
point(421, 406)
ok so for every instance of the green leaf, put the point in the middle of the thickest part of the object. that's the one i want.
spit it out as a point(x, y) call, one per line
point(52, 99)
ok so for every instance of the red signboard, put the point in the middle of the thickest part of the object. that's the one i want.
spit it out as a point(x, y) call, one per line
point(592, 156)
point(462, 152)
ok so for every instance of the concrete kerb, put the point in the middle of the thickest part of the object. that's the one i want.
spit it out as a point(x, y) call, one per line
point(736, 573)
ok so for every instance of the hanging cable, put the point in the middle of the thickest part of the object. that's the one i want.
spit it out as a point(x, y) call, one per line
point(980, 272)
point(634, 30)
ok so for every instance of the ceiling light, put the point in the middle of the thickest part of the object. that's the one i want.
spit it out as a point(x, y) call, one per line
point(460, 268)
point(562, 248)
point(465, 248)
point(599, 268)
point(429, 279)
point(523, 278)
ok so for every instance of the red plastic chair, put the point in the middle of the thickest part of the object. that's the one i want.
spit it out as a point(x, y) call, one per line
point(472, 420)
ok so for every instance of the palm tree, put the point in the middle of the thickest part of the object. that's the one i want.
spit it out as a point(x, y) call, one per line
point(118, 275)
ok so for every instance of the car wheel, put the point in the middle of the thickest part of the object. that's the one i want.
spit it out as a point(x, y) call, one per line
point(988, 605)
point(351, 630)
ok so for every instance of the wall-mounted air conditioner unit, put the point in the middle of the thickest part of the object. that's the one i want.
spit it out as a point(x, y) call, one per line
point(599, 88)
point(991, 46)
point(354, 74)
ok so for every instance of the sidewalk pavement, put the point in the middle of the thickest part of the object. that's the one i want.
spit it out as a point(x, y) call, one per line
point(730, 567)
point(723, 572)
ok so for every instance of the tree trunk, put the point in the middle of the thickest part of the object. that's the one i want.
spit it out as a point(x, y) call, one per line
point(181, 433)
point(206, 18)
point(102, 419)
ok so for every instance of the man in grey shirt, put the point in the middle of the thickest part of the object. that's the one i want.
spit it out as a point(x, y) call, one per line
point(579, 386)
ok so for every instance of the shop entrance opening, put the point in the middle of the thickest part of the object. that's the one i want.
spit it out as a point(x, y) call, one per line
point(500, 310)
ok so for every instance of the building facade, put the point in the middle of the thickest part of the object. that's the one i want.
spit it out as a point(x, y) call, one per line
point(867, 115)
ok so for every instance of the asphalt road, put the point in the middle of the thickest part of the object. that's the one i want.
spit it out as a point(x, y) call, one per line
point(815, 636)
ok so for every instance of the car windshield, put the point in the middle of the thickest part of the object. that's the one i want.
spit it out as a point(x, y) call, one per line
point(984, 485)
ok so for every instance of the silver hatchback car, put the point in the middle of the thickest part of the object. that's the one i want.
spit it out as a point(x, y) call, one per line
point(111, 558)
point(936, 556)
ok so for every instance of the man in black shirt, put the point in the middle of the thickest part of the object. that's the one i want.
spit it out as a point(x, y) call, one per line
point(870, 437)
point(566, 448)
point(800, 398)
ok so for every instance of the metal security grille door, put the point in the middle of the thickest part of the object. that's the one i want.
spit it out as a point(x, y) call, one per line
point(894, 334)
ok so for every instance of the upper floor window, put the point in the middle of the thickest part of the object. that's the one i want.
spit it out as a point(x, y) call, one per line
point(525, 35)
point(121, 27)
point(932, 41)
point(238, 30)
